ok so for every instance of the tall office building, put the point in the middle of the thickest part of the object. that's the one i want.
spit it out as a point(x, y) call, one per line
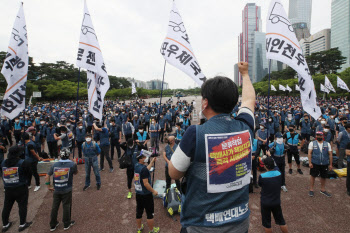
point(236, 74)
point(251, 22)
point(318, 42)
point(340, 37)
point(300, 17)
point(260, 63)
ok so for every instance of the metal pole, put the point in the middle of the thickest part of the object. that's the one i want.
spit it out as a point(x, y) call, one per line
point(76, 114)
point(268, 99)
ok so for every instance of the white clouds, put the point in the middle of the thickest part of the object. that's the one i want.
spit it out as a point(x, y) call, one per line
point(130, 32)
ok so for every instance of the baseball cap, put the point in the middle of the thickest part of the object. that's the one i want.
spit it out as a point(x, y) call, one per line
point(319, 133)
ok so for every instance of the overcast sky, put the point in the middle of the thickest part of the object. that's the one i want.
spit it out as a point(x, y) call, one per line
point(130, 32)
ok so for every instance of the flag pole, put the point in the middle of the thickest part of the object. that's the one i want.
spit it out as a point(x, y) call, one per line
point(76, 113)
point(268, 99)
point(160, 106)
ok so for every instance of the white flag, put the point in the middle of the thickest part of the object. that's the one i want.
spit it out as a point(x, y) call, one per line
point(288, 88)
point(328, 84)
point(282, 45)
point(281, 88)
point(90, 58)
point(297, 87)
point(323, 88)
point(15, 68)
point(273, 88)
point(133, 88)
point(177, 50)
point(342, 85)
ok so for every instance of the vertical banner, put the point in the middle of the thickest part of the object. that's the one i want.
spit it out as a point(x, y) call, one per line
point(177, 50)
point(282, 45)
point(322, 88)
point(342, 85)
point(228, 161)
point(133, 88)
point(90, 58)
point(15, 68)
point(328, 84)
point(281, 88)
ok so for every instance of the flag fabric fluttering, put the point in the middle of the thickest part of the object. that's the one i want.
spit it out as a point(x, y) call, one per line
point(177, 50)
point(15, 68)
point(297, 88)
point(281, 88)
point(133, 88)
point(342, 85)
point(90, 58)
point(282, 45)
point(328, 84)
point(273, 88)
point(323, 88)
point(288, 88)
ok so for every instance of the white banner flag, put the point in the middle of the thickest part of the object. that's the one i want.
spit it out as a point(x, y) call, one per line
point(281, 88)
point(342, 85)
point(273, 88)
point(297, 88)
point(90, 58)
point(15, 68)
point(133, 88)
point(323, 88)
point(282, 45)
point(177, 50)
point(328, 84)
point(288, 88)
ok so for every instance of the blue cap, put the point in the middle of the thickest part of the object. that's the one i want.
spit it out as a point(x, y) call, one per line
point(278, 135)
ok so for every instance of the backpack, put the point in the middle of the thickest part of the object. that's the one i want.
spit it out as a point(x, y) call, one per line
point(125, 161)
point(172, 201)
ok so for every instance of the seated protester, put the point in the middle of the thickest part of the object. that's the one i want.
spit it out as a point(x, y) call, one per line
point(144, 193)
point(270, 200)
point(130, 149)
point(179, 132)
point(320, 160)
point(62, 188)
point(16, 189)
point(277, 151)
point(186, 123)
point(141, 138)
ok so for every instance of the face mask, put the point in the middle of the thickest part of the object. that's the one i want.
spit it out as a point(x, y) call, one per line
point(16, 121)
point(291, 130)
point(323, 122)
point(279, 140)
point(68, 124)
point(63, 135)
point(320, 139)
point(289, 119)
point(53, 111)
point(332, 117)
point(153, 122)
point(20, 117)
point(270, 120)
point(80, 119)
point(141, 131)
point(80, 127)
point(326, 130)
point(88, 139)
point(146, 160)
point(262, 127)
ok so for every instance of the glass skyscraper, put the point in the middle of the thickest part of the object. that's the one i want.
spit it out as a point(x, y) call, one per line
point(251, 22)
point(300, 17)
point(340, 36)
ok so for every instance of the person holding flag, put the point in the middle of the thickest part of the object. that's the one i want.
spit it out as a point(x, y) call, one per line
point(90, 57)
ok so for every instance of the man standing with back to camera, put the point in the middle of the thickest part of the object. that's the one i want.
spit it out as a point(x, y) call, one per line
point(219, 204)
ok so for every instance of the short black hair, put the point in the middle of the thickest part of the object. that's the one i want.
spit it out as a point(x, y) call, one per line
point(141, 127)
point(221, 93)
